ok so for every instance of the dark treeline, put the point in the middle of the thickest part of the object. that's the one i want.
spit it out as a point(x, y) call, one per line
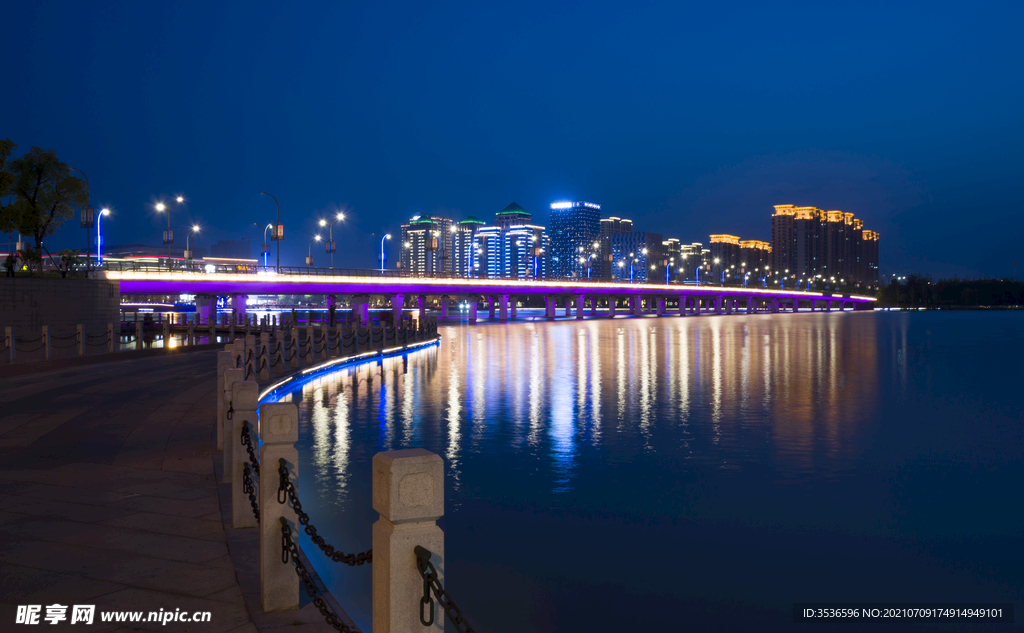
point(919, 291)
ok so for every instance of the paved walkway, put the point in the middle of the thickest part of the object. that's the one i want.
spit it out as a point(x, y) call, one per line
point(108, 496)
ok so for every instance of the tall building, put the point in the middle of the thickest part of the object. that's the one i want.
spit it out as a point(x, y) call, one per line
point(513, 248)
point(808, 242)
point(725, 255)
point(755, 256)
point(638, 255)
point(465, 258)
point(601, 264)
point(428, 246)
point(573, 226)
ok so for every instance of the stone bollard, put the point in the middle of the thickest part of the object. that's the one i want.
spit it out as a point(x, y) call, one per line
point(250, 355)
point(231, 376)
point(110, 336)
point(245, 395)
point(191, 337)
point(295, 348)
point(279, 430)
point(167, 334)
point(80, 334)
point(46, 342)
point(138, 334)
point(9, 342)
point(408, 492)
point(225, 361)
point(264, 364)
point(326, 341)
point(309, 357)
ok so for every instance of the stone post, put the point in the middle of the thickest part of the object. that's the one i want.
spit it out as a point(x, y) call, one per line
point(635, 305)
point(568, 307)
point(190, 338)
point(421, 305)
point(472, 309)
point(580, 300)
point(9, 342)
point(279, 430)
point(249, 360)
point(504, 307)
point(80, 334)
point(593, 306)
point(231, 376)
point(138, 333)
point(490, 307)
point(167, 333)
point(325, 341)
point(661, 306)
point(361, 306)
point(46, 342)
point(231, 329)
point(549, 308)
point(110, 336)
point(512, 308)
point(611, 307)
point(212, 337)
point(265, 354)
point(682, 305)
point(309, 357)
point(295, 348)
point(444, 306)
point(245, 396)
point(408, 492)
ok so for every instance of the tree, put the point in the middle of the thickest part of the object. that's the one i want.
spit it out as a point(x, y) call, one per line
point(7, 224)
point(46, 194)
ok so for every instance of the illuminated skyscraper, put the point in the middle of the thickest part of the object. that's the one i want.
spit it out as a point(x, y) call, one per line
point(574, 225)
point(811, 243)
point(427, 245)
point(514, 247)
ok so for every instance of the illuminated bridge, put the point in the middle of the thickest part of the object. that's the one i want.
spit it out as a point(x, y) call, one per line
point(501, 295)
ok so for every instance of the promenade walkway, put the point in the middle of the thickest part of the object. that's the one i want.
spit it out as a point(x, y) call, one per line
point(109, 497)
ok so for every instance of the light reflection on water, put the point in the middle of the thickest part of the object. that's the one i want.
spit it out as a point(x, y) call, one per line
point(734, 461)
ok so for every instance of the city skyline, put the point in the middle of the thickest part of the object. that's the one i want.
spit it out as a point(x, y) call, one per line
point(227, 115)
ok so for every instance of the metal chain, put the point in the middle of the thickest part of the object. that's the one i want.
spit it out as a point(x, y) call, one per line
point(431, 583)
point(231, 409)
point(289, 550)
point(247, 443)
point(249, 371)
point(249, 488)
point(338, 556)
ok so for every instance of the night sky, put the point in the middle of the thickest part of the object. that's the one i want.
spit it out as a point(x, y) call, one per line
point(689, 120)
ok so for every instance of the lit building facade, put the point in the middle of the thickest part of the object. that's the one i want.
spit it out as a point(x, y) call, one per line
point(513, 248)
point(638, 255)
point(725, 255)
point(808, 242)
point(573, 226)
point(601, 264)
point(464, 249)
point(427, 246)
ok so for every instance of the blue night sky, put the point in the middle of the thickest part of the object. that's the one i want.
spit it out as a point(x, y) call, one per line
point(689, 119)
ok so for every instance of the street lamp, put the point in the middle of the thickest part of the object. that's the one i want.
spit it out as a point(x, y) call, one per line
point(265, 248)
point(330, 235)
point(309, 256)
point(386, 237)
point(87, 215)
point(188, 251)
point(169, 235)
point(278, 233)
point(99, 238)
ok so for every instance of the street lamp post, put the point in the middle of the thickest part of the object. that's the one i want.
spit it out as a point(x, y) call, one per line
point(169, 236)
point(330, 236)
point(265, 247)
point(278, 230)
point(386, 237)
point(309, 256)
point(188, 251)
point(99, 236)
point(87, 218)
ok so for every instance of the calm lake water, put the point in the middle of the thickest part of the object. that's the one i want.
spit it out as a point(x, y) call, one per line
point(700, 472)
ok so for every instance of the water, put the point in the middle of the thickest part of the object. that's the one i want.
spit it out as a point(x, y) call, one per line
point(702, 473)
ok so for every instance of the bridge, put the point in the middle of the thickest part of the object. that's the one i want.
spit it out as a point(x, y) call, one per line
point(637, 299)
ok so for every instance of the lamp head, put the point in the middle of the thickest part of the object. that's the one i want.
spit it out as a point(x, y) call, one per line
point(388, 236)
point(340, 216)
point(323, 222)
point(105, 212)
point(179, 199)
point(195, 228)
point(317, 238)
point(160, 206)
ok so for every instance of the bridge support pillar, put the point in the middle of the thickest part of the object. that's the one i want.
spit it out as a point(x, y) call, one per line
point(611, 307)
point(444, 306)
point(775, 305)
point(636, 305)
point(396, 309)
point(549, 308)
point(568, 307)
point(512, 308)
point(472, 308)
point(593, 306)
point(661, 306)
point(504, 307)
point(580, 300)
point(490, 308)
point(828, 306)
point(682, 305)
point(238, 306)
point(205, 305)
point(718, 304)
point(796, 304)
point(361, 307)
point(421, 304)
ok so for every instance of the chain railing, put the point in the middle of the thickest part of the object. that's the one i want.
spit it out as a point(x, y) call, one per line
point(286, 492)
point(290, 553)
point(432, 584)
point(248, 485)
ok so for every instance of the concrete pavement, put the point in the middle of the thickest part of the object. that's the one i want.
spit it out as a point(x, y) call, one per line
point(109, 496)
